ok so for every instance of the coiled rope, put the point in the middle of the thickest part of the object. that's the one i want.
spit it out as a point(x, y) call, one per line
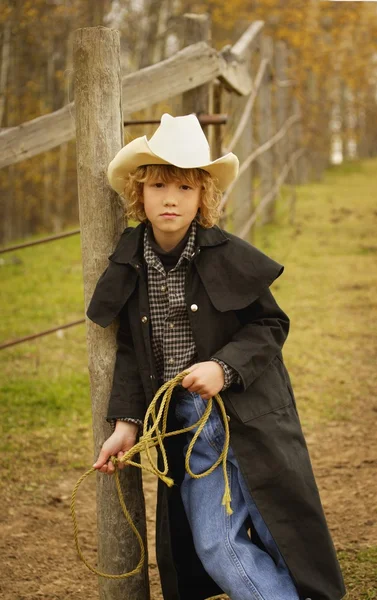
point(154, 433)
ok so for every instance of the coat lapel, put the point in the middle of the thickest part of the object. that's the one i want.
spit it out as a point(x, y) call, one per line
point(119, 279)
point(233, 272)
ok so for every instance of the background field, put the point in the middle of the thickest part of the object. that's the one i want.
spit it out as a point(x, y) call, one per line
point(329, 291)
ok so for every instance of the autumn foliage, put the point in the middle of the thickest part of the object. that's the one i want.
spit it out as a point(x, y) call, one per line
point(331, 60)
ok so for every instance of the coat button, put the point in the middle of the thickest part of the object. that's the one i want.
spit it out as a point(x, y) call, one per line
point(144, 319)
point(194, 307)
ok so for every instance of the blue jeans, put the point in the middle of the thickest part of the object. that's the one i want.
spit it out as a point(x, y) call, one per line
point(241, 568)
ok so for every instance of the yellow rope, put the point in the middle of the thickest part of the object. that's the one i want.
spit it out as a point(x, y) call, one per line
point(154, 435)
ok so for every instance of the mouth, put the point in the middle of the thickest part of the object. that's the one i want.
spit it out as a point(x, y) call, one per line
point(168, 214)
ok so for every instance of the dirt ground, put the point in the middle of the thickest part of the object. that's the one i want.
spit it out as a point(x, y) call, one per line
point(39, 560)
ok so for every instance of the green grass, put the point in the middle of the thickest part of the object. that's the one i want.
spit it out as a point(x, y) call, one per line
point(328, 290)
point(328, 287)
point(43, 287)
point(360, 571)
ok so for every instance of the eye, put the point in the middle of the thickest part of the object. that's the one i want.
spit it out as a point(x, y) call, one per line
point(186, 187)
point(158, 184)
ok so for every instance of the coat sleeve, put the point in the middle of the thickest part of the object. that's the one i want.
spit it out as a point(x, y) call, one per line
point(264, 330)
point(127, 398)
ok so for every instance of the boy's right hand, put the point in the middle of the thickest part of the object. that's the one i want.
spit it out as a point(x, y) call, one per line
point(123, 438)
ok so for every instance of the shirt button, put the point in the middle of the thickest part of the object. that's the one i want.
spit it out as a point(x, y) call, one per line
point(163, 288)
point(171, 325)
point(171, 361)
point(194, 307)
point(144, 319)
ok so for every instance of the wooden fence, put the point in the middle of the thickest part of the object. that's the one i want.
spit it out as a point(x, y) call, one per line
point(208, 80)
point(247, 81)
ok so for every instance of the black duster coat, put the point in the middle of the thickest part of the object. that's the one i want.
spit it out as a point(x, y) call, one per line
point(238, 321)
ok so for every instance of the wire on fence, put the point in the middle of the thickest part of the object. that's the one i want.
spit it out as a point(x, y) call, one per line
point(260, 150)
point(33, 336)
point(51, 238)
point(271, 194)
point(249, 105)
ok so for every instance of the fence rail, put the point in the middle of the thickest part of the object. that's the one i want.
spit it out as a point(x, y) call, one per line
point(192, 68)
point(189, 68)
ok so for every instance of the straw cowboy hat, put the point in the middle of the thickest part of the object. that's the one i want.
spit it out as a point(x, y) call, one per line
point(178, 141)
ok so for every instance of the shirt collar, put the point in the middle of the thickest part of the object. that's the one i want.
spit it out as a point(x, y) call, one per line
point(129, 248)
point(153, 260)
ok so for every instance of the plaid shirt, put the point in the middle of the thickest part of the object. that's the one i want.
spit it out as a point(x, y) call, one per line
point(172, 340)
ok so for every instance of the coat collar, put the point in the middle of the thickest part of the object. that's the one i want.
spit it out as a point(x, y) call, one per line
point(234, 275)
point(129, 249)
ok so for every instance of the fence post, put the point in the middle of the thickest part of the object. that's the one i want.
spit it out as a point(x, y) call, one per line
point(241, 201)
point(99, 135)
point(281, 101)
point(265, 127)
point(313, 155)
point(196, 28)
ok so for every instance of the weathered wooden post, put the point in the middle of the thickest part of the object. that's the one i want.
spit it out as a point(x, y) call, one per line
point(313, 99)
point(196, 28)
point(281, 101)
point(242, 197)
point(301, 161)
point(265, 127)
point(99, 135)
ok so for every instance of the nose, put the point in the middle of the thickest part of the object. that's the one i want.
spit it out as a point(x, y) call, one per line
point(170, 198)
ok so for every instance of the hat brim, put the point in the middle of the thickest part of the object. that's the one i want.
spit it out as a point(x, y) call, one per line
point(138, 153)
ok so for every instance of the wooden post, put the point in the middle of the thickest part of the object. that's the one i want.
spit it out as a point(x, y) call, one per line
point(265, 162)
point(301, 161)
point(99, 136)
point(216, 139)
point(196, 28)
point(282, 94)
point(314, 155)
point(241, 199)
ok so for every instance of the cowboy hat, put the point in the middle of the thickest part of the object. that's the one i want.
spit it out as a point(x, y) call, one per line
point(178, 141)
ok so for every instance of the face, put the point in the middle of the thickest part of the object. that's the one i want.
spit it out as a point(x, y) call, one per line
point(170, 208)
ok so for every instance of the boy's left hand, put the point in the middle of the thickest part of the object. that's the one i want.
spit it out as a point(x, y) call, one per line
point(205, 378)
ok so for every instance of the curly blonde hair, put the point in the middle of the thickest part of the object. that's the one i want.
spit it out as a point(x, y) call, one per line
point(210, 197)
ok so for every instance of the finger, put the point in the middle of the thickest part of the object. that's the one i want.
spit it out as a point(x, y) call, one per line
point(103, 469)
point(188, 380)
point(102, 458)
point(197, 386)
point(110, 467)
point(120, 465)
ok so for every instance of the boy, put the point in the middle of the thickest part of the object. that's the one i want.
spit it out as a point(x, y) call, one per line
point(193, 297)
